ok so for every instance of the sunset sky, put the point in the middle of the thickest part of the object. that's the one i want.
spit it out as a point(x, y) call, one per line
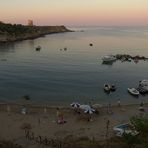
point(75, 12)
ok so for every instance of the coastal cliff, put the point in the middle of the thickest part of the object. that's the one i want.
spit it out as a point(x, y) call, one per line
point(10, 33)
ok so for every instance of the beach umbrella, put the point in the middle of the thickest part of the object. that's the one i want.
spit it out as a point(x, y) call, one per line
point(75, 105)
point(87, 109)
point(90, 111)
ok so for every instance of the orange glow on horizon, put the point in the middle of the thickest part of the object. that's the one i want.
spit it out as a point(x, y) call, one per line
point(70, 12)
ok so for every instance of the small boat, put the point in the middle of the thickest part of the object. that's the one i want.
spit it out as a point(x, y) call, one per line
point(133, 91)
point(107, 87)
point(65, 48)
point(109, 58)
point(112, 87)
point(90, 44)
point(38, 48)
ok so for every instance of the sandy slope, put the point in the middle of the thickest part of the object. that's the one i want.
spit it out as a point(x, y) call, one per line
point(44, 124)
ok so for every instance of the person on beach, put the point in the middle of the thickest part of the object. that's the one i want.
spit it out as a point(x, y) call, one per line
point(90, 103)
point(119, 103)
point(141, 104)
point(109, 111)
point(60, 117)
point(45, 110)
point(58, 113)
point(8, 109)
point(107, 127)
point(141, 109)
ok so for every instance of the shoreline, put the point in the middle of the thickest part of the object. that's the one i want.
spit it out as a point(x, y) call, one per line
point(67, 103)
point(57, 105)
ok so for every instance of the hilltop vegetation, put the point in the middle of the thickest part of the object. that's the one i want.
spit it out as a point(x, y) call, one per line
point(15, 29)
point(15, 32)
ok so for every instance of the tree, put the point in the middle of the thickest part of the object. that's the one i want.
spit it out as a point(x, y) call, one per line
point(140, 124)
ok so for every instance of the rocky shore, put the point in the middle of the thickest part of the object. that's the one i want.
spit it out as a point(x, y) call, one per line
point(14, 33)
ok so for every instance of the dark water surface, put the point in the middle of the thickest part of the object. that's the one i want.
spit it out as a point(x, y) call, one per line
point(77, 74)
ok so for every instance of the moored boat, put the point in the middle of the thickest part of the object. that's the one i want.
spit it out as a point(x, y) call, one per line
point(133, 91)
point(109, 58)
point(90, 44)
point(38, 48)
point(107, 87)
point(113, 87)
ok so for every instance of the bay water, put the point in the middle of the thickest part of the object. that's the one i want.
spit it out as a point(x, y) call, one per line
point(76, 73)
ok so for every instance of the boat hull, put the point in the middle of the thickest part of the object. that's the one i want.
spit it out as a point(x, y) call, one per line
point(133, 91)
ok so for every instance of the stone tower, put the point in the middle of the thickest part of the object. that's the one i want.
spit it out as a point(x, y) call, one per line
point(30, 22)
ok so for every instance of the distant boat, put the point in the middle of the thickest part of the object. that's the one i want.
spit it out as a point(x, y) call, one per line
point(38, 48)
point(90, 44)
point(113, 87)
point(109, 58)
point(65, 48)
point(107, 87)
point(133, 91)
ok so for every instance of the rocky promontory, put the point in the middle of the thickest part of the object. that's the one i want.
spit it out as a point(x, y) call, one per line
point(17, 32)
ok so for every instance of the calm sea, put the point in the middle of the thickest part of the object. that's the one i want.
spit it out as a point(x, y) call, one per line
point(77, 74)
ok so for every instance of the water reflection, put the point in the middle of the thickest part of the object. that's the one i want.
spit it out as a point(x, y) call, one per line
point(7, 47)
point(31, 43)
point(108, 63)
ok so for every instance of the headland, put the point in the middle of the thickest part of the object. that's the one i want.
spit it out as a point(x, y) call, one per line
point(18, 32)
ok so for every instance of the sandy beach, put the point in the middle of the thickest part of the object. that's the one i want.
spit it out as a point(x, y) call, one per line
point(43, 122)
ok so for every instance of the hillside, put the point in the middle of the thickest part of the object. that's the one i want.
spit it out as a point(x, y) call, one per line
point(16, 32)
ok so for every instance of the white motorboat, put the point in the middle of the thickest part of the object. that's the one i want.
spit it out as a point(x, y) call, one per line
point(109, 58)
point(38, 48)
point(75, 105)
point(107, 87)
point(133, 91)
